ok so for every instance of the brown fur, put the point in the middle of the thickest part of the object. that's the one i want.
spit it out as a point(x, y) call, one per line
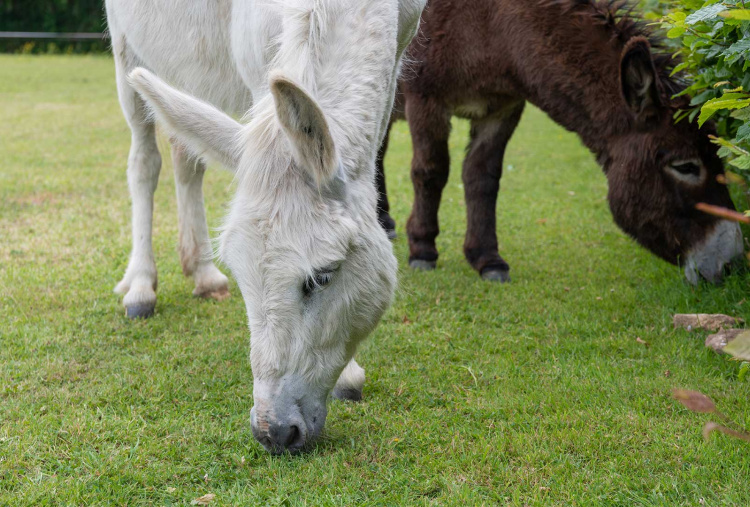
point(587, 64)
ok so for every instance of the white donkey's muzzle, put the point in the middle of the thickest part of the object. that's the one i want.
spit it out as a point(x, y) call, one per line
point(287, 414)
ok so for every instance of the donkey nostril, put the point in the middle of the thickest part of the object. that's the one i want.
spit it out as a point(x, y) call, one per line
point(284, 438)
point(293, 437)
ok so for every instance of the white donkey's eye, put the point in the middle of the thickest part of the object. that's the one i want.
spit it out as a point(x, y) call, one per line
point(687, 171)
point(319, 280)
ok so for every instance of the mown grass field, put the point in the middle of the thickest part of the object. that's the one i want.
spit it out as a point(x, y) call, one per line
point(535, 392)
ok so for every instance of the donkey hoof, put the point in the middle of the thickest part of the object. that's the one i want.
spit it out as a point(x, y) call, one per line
point(496, 275)
point(421, 265)
point(140, 311)
point(387, 223)
point(219, 294)
point(347, 394)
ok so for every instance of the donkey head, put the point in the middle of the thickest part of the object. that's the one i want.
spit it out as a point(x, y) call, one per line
point(658, 171)
point(302, 240)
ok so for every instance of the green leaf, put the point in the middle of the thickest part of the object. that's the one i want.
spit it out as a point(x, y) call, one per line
point(740, 346)
point(742, 162)
point(743, 133)
point(713, 105)
point(741, 14)
point(741, 114)
point(676, 32)
point(724, 152)
point(741, 46)
point(705, 13)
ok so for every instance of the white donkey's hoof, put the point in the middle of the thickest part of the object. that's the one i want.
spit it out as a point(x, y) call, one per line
point(140, 297)
point(140, 302)
point(140, 311)
point(350, 383)
point(211, 283)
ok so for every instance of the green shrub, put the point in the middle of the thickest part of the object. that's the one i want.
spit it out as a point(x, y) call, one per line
point(714, 41)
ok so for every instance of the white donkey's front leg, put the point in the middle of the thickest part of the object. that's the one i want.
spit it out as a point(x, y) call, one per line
point(350, 383)
point(195, 249)
point(144, 164)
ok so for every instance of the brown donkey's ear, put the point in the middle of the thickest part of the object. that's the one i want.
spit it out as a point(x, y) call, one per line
point(641, 88)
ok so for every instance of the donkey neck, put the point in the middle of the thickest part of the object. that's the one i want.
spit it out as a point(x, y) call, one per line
point(568, 64)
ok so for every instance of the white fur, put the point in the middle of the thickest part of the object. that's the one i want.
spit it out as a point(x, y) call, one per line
point(304, 161)
point(708, 259)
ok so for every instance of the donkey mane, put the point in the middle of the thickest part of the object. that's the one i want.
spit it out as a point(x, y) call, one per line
point(305, 25)
point(620, 17)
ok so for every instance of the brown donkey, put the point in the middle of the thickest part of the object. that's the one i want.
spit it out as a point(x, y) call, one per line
point(589, 65)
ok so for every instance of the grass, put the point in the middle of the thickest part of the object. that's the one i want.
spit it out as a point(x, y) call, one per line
point(534, 392)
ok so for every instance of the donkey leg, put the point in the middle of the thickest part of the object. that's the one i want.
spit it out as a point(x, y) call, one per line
point(384, 207)
point(430, 126)
point(195, 249)
point(350, 383)
point(144, 164)
point(482, 170)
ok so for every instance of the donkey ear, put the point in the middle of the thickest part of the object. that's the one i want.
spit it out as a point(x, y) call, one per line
point(200, 127)
point(306, 127)
point(641, 88)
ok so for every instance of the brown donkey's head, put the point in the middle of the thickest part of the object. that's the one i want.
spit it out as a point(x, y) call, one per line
point(658, 171)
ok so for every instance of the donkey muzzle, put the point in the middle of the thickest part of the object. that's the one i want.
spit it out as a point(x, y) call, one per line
point(719, 249)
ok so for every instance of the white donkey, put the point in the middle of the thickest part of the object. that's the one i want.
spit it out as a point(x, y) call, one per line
point(302, 238)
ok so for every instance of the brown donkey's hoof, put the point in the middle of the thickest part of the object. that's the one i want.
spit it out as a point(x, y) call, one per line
point(496, 275)
point(140, 311)
point(388, 224)
point(421, 265)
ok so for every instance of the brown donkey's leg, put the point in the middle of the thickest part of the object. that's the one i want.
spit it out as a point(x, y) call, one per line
point(429, 124)
point(384, 207)
point(483, 167)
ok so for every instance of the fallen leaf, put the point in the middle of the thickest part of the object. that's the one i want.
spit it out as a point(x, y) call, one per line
point(641, 341)
point(710, 427)
point(719, 341)
point(542, 221)
point(695, 401)
point(712, 322)
point(406, 320)
point(171, 490)
point(740, 346)
point(204, 500)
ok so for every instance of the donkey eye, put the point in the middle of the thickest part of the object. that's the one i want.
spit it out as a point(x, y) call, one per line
point(317, 281)
point(688, 168)
point(686, 171)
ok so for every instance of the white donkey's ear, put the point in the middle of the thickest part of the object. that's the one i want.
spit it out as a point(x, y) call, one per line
point(306, 127)
point(200, 127)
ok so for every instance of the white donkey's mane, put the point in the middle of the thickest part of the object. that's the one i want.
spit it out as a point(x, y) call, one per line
point(301, 54)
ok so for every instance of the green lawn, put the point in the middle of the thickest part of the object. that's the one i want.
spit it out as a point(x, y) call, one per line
point(534, 392)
